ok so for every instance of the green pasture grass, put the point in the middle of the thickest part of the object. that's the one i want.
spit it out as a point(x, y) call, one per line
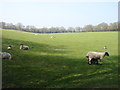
point(59, 62)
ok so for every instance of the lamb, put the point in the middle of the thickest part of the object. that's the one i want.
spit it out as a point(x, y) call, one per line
point(94, 61)
point(9, 47)
point(24, 47)
point(5, 55)
point(96, 56)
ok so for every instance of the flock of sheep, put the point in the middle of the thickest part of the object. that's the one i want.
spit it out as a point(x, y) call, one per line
point(7, 56)
point(93, 57)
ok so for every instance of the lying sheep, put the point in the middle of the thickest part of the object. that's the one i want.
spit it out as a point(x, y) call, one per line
point(52, 37)
point(96, 56)
point(5, 55)
point(105, 47)
point(24, 47)
point(9, 47)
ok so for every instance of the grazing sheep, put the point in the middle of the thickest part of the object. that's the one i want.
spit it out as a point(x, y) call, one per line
point(5, 55)
point(96, 56)
point(24, 47)
point(9, 47)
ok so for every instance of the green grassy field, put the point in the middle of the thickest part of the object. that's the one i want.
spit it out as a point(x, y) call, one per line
point(59, 62)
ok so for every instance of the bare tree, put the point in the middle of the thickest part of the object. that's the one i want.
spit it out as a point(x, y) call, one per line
point(2, 25)
point(88, 28)
point(77, 29)
point(19, 26)
point(102, 26)
point(113, 26)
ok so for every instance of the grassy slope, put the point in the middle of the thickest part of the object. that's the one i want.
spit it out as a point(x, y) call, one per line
point(59, 62)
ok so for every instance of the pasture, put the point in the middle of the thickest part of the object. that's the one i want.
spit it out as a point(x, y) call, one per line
point(59, 62)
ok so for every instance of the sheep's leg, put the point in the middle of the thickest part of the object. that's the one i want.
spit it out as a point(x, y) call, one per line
point(96, 61)
point(92, 61)
point(89, 61)
point(100, 61)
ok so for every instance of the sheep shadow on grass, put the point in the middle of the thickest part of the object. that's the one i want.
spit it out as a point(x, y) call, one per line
point(95, 62)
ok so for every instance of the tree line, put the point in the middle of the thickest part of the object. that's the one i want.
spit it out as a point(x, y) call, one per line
point(87, 28)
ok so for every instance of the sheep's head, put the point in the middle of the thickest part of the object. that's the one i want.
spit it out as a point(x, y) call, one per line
point(106, 54)
point(21, 46)
point(9, 46)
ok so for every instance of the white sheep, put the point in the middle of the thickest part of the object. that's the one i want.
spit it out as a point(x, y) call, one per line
point(9, 47)
point(5, 55)
point(24, 47)
point(105, 47)
point(52, 37)
point(96, 56)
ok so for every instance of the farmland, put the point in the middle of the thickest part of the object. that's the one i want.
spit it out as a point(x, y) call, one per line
point(59, 62)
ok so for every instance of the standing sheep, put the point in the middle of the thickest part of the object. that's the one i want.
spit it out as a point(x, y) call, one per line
point(24, 47)
point(5, 55)
point(95, 56)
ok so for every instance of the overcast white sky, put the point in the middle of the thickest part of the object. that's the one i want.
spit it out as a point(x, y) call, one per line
point(67, 13)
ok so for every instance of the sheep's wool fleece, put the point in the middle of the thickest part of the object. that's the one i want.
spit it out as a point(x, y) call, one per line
point(5, 55)
point(96, 55)
point(25, 47)
point(9, 48)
